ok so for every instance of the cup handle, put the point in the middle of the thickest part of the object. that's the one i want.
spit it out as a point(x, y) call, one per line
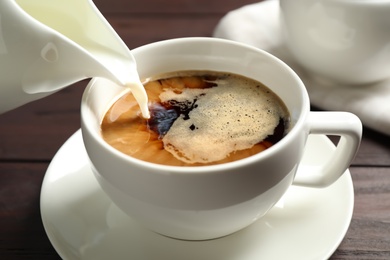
point(346, 125)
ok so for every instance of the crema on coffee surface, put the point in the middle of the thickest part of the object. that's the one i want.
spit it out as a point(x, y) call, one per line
point(197, 118)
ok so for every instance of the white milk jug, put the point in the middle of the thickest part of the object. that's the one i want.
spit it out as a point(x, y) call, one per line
point(46, 45)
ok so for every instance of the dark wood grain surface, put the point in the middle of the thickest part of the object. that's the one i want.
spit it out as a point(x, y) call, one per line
point(31, 135)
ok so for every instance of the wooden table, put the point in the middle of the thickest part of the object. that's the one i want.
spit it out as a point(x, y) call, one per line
point(31, 135)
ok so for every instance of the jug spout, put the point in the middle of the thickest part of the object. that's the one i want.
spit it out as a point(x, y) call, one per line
point(61, 63)
point(86, 45)
point(52, 44)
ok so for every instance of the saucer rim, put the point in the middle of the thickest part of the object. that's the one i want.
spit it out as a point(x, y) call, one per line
point(59, 248)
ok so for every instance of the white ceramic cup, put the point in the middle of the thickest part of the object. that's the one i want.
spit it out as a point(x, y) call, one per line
point(207, 202)
point(345, 41)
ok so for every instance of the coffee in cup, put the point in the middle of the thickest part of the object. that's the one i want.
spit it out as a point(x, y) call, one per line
point(197, 118)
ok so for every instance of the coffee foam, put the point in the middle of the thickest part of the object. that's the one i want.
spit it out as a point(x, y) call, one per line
point(225, 119)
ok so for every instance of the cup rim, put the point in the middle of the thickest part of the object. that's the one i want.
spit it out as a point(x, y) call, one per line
point(269, 152)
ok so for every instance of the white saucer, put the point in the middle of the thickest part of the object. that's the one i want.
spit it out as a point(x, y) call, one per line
point(82, 223)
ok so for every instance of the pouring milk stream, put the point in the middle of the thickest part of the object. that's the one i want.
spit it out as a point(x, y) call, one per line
point(46, 45)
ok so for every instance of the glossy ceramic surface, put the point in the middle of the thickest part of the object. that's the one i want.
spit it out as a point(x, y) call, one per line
point(47, 45)
point(206, 202)
point(83, 223)
point(347, 41)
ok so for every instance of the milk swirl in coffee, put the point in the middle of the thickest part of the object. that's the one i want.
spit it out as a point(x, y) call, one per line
point(197, 118)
